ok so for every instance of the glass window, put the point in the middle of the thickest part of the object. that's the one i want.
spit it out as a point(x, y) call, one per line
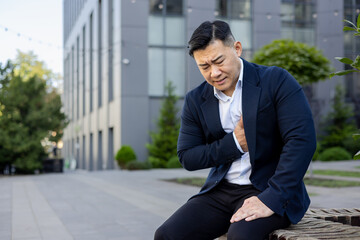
point(155, 33)
point(348, 41)
point(240, 9)
point(221, 8)
point(287, 33)
point(304, 35)
point(298, 20)
point(156, 71)
point(175, 69)
point(237, 13)
point(348, 13)
point(303, 12)
point(166, 38)
point(175, 31)
point(241, 30)
point(287, 12)
point(233, 9)
point(174, 7)
point(156, 7)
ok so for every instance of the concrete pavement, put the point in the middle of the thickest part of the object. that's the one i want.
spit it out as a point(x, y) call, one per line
point(114, 204)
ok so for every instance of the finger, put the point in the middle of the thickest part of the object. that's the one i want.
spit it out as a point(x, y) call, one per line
point(240, 215)
point(237, 218)
point(252, 217)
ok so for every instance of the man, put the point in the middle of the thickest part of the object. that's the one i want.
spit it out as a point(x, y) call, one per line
point(253, 126)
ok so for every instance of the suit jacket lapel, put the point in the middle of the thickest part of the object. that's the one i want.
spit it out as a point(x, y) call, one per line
point(250, 99)
point(210, 111)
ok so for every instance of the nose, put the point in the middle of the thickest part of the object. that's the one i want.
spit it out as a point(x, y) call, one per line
point(215, 72)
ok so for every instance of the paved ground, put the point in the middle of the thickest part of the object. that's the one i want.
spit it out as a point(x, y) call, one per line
point(114, 204)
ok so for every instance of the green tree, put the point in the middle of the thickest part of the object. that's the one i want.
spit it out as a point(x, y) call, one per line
point(306, 64)
point(30, 111)
point(338, 125)
point(164, 141)
point(354, 64)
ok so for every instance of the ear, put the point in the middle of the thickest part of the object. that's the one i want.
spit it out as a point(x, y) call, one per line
point(238, 48)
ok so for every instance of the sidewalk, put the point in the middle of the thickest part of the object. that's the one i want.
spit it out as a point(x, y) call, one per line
point(113, 204)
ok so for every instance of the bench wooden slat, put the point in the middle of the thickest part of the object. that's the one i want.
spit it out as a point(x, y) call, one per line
point(332, 224)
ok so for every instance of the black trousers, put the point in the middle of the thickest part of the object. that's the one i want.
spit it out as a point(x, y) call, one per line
point(208, 216)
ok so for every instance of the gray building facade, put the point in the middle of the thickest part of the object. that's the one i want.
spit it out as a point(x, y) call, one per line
point(119, 55)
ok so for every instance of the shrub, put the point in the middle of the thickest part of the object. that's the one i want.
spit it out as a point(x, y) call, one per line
point(334, 154)
point(316, 154)
point(124, 155)
point(173, 163)
point(305, 63)
point(137, 165)
point(157, 162)
point(164, 140)
point(339, 126)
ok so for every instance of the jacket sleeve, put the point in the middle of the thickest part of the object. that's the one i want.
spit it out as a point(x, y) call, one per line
point(297, 131)
point(193, 150)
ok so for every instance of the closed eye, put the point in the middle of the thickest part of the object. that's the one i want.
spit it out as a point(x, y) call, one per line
point(204, 67)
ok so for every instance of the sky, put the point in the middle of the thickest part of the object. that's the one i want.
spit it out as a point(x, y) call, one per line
point(32, 25)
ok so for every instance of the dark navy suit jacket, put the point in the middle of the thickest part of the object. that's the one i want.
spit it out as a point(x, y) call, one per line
point(279, 131)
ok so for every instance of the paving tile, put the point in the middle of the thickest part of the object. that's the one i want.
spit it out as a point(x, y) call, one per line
point(112, 205)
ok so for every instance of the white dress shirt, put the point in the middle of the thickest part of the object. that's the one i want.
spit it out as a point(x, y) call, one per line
point(230, 113)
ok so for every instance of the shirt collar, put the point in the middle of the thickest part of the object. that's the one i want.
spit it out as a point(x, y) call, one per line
point(222, 96)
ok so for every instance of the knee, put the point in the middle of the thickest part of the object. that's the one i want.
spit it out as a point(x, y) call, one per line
point(162, 233)
point(234, 235)
point(243, 233)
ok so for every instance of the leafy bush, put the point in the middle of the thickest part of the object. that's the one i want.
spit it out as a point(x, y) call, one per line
point(157, 162)
point(173, 163)
point(124, 155)
point(137, 165)
point(338, 125)
point(334, 153)
point(307, 64)
point(317, 151)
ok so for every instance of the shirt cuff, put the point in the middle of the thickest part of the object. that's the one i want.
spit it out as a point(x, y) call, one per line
point(237, 143)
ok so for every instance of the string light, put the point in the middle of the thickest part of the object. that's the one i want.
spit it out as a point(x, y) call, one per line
point(49, 44)
point(104, 49)
point(28, 38)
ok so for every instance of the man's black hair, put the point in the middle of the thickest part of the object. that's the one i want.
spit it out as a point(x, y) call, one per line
point(208, 32)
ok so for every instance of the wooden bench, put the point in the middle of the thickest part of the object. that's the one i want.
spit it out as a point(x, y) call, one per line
point(341, 224)
point(324, 224)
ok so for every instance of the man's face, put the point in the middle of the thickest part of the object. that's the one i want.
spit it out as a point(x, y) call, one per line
point(220, 65)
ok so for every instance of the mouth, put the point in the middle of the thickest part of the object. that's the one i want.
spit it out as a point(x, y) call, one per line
point(220, 82)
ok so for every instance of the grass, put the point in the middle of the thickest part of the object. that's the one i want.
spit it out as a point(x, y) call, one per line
point(330, 183)
point(198, 182)
point(357, 167)
point(337, 173)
